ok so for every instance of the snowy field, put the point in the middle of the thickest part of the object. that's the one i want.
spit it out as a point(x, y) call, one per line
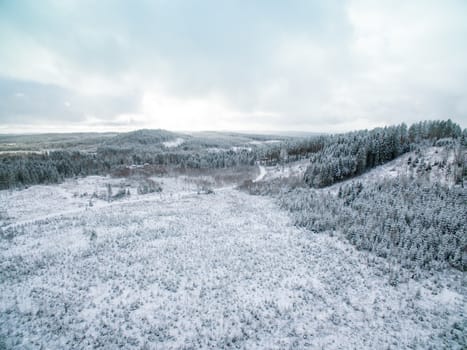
point(181, 270)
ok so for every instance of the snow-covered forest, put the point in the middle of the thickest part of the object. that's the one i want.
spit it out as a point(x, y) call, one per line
point(153, 239)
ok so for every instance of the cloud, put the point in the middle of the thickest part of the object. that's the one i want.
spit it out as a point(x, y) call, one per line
point(269, 65)
point(38, 103)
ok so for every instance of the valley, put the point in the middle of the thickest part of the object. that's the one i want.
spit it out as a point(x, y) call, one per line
point(226, 241)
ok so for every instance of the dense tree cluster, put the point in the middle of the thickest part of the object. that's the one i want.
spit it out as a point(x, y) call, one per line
point(420, 224)
point(48, 167)
point(52, 167)
point(351, 154)
point(434, 130)
point(179, 158)
point(348, 155)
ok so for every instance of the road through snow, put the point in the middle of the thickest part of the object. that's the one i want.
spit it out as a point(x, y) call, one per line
point(225, 270)
point(262, 173)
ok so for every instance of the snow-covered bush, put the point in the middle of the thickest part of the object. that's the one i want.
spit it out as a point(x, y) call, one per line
point(148, 186)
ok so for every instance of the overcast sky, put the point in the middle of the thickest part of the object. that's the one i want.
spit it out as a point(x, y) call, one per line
point(79, 65)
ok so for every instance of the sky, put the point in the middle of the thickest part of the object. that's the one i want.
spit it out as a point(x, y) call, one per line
point(264, 65)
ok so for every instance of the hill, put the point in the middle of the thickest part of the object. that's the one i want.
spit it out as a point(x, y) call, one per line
point(143, 138)
point(410, 210)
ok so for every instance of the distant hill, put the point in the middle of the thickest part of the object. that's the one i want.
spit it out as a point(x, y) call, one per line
point(40, 142)
point(143, 137)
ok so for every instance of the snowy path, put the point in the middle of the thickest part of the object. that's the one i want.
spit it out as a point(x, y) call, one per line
point(223, 270)
point(262, 173)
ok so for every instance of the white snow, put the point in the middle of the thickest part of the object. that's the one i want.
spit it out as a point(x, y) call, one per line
point(238, 149)
point(73, 196)
point(287, 170)
point(179, 270)
point(173, 143)
point(255, 142)
point(262, 174)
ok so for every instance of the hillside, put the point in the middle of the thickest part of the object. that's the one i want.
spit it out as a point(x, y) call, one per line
point(435, 164)
point(410, 210)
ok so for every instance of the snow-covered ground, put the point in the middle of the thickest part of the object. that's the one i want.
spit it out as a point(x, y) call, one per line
point(261, 175)
point(77, 195)
point(238, 149)
point(287, 170)
point(255, 142)
point(174, 143)
point(181, 270)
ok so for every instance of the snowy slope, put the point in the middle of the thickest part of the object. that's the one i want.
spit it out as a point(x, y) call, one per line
point(181, 270)
point(435, 164)
point(287, 170)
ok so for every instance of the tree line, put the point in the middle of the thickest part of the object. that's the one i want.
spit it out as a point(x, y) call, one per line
point(351, 154)
point(333, 158)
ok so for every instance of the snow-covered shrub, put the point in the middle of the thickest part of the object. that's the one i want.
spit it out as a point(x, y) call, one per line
point(271, 187)
point(148, 186)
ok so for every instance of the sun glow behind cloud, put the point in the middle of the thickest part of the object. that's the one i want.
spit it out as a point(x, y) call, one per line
point(317, 66)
